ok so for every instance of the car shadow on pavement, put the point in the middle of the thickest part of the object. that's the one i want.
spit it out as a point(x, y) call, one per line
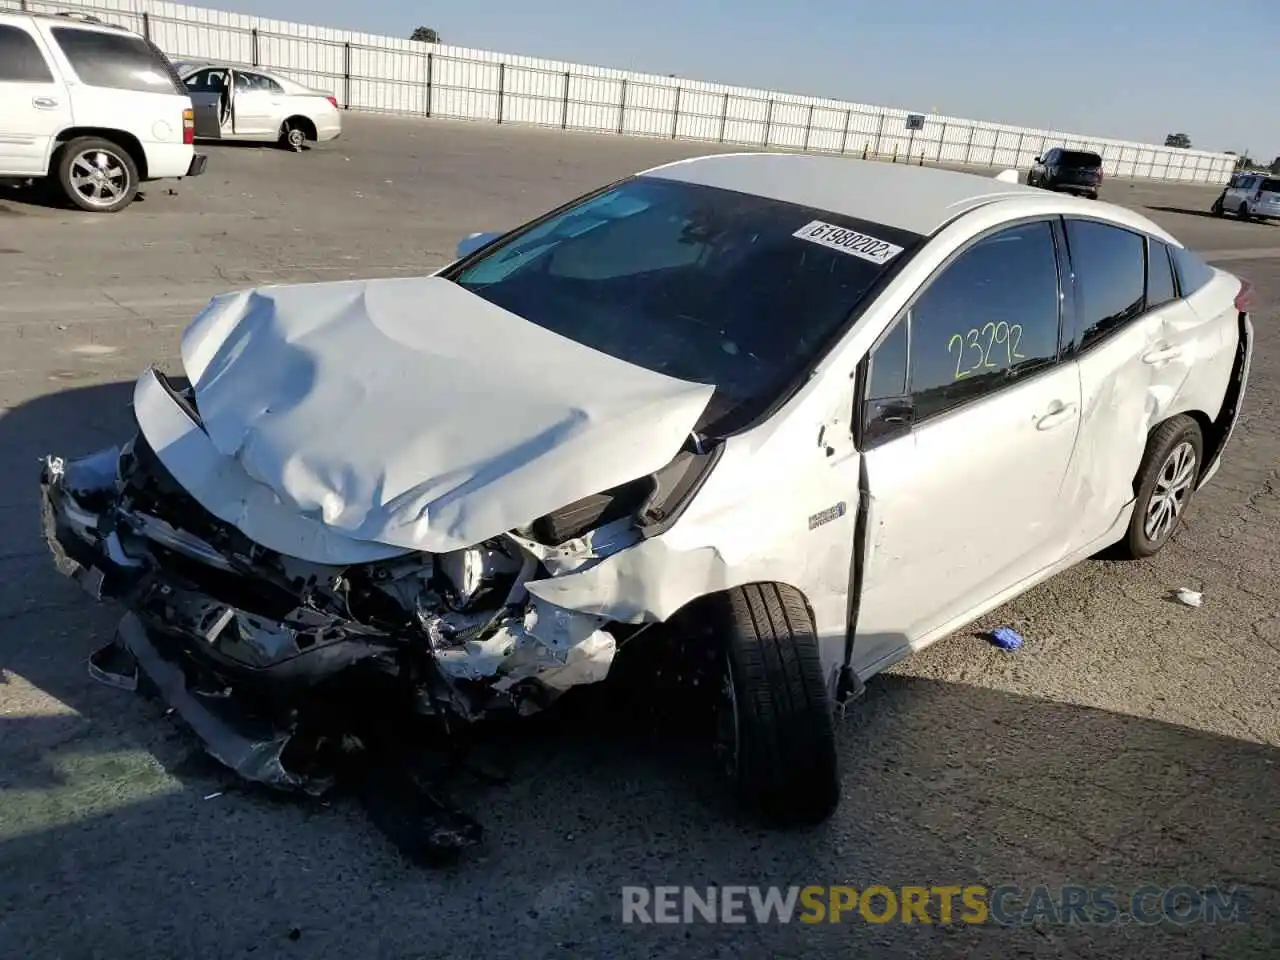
point(1185, 211)
point(16, 201)
point(115, 830)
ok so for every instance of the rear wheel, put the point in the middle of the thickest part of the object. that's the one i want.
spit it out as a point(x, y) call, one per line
point(774, 716)
point(1166, 484)
point(293, 136)
point(97, 175)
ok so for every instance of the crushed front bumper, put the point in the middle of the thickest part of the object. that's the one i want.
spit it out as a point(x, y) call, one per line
point(272, 681)
point(95, 543)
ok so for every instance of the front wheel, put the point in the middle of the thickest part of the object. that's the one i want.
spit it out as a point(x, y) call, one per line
point(97, 175)
point(1166, 483)
point(1243, 212)
point(774, 714)
point(1216, 209)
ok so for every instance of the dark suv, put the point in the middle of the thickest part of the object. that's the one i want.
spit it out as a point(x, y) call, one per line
point(1069, 171)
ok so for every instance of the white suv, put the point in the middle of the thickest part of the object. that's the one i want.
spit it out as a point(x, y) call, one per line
point(1249, 195)
point(93, 106)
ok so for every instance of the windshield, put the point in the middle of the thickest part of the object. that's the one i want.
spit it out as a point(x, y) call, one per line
point(695, 282)
point(1078, 158)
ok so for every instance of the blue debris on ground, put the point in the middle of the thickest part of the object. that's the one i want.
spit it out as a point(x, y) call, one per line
point(1006, 638)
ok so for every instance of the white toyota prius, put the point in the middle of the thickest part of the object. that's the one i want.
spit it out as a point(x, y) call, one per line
point(828, 411)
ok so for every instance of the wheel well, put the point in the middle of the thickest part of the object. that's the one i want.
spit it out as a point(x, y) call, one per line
point(683, 636)
point(695, 607)
point(1211, 432)
point(304, 124)
point(127, 141)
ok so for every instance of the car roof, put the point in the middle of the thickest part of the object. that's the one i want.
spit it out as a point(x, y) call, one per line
point(69, 17)
point(917, 199)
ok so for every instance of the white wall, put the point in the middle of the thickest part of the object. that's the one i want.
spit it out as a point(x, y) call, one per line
point(367, 72)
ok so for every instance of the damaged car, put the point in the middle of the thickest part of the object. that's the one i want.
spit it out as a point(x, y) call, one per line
point(829, 411)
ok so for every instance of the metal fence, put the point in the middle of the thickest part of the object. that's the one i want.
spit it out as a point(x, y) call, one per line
point(393, 75)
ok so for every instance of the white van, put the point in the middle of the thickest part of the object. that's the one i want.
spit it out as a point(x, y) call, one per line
point(93, 106)
point(1249, 195)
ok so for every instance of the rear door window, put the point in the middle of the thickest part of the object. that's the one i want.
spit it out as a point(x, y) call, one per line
point(246, 82)
point(121, 61)
point(20, 58)
point(1193, 273)
point(1270, 185)
point(211, 80)
point(1110, 277)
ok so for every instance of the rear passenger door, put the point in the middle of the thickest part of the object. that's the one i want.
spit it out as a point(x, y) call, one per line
point(33, 104)
point(969, 421)
point(258, 100)
point(210, 92)
point(1136, 343)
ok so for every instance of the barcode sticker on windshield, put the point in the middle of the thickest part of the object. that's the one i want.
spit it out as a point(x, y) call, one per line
point(848, 241)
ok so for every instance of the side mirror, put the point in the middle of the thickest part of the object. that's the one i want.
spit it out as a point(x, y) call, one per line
point(473, 242)
point(1037, 160)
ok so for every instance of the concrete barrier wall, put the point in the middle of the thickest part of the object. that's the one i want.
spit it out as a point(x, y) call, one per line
point(388, 74)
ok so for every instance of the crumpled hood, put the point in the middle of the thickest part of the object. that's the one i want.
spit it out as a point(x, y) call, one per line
point(414, 414)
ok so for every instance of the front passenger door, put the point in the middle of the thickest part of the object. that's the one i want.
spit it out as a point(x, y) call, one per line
point(967, 444)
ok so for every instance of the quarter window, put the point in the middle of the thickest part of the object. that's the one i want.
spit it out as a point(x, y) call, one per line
point(1110, 282)
point(1160, 289)
point(989, 317)
point(1193, 273)
point(20, 59)
point(120, 61)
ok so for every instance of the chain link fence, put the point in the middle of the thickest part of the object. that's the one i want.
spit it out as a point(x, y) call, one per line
point(385, 74)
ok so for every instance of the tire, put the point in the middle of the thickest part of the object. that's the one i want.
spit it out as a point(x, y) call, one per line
point(1165, 475)
point(774, 706)
point(292, 137)
point(1217, 209)
point(1243, 212)
point(1093, 195)
point(97, 175)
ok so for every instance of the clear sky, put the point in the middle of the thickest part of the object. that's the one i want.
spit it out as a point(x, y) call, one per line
point(1135, 70)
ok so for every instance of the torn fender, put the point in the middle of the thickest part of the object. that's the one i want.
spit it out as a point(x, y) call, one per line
point(792, 523)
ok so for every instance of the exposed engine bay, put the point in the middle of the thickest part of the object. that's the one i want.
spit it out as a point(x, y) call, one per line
point(253, 648)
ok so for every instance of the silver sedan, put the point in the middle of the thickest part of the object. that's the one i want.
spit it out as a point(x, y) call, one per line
point(231, 103)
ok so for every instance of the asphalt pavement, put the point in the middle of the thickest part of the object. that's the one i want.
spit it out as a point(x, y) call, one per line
point(1131, 741)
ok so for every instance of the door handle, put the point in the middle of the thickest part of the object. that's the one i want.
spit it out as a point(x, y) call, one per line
point(1161, 354)
point(44, 103)
point(1058, 414)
